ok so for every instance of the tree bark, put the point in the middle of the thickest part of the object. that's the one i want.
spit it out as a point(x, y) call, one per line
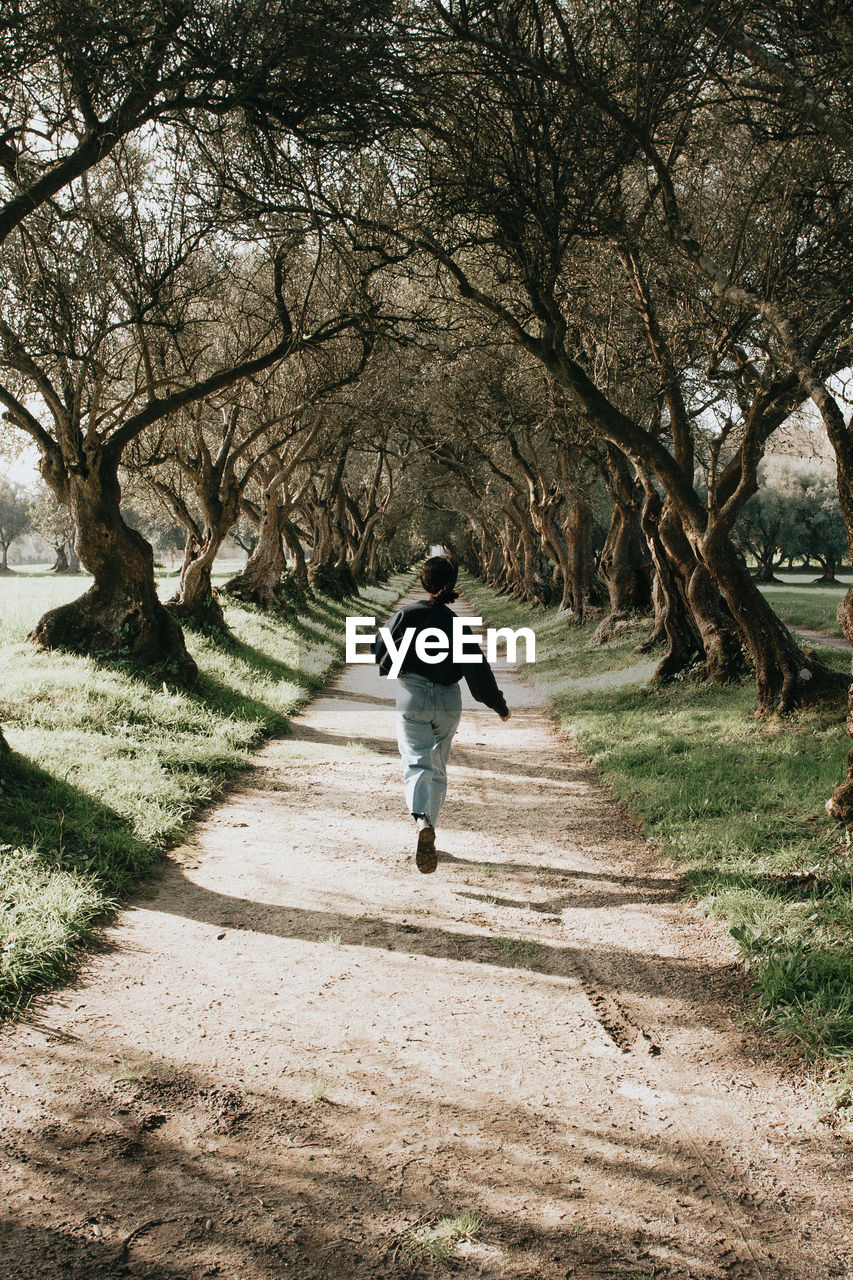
point(581, 593)
point(66, 560)
point(720, 644)
point(785, 676)
point(828, 575)
point(258, 581)
point(840, 805)
point(294, 546)
point(765, 572)
point(624, 563)
point(657, 635)
point(366, 543)
point(60, 563)
point(673, 616)
point(519, 547)
point(194, 601)
point(120, 615)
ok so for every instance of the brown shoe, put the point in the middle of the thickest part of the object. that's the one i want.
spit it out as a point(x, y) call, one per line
point(426, 858)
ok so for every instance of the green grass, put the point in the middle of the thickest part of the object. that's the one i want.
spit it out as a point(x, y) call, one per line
point(435, 1240)
point(806, 606)
point(522, 950)
point(108, 767)
point(737, 802)
point(319, 1089)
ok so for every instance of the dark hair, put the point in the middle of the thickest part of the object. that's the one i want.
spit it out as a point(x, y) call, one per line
point(438, 578)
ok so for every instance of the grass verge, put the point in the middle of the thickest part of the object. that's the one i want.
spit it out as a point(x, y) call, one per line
point(812, 606)
point(107, 767)
point(737, 802)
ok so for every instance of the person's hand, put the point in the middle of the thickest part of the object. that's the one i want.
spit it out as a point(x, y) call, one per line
point(506, 717)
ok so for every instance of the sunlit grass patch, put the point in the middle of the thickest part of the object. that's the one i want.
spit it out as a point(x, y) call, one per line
point(108, 766)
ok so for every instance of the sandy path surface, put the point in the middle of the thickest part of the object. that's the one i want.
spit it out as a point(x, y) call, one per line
point(297, 1048)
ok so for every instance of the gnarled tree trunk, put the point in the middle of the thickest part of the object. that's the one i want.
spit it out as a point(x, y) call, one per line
point(581, 593)
point(60, 562)
point(624, 565)
point(764, 572)
point(294, 546)
point(720, 644)
point(673, 618)
point(258, 581)
point(120, 615)
point(194, 600)
point(785, 676)
point(829, 565)
point(840, 806)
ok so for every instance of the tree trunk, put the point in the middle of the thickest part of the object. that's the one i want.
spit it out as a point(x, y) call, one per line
point(366, 543)
point(120, 615)
point(828, 575)
point(581, 593)
point(527, 547)
point(673, 617)
point(625, 567)
point(765, 571)
point(258, 581)
point(294, 546)
point(374, 572)
point(194, 601)
point(60, 563)
point(657, 635)
point(4, 558)
point(553, 544)
point(719, 638)
point(785, 676)
point(840, 806)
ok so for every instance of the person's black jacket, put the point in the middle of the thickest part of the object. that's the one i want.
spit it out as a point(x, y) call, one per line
point(419, 616)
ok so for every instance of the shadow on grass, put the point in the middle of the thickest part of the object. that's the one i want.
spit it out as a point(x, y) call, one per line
point(67, 859)
point(69, 830)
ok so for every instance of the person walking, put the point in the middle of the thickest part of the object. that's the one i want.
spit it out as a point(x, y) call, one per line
point(429, 701)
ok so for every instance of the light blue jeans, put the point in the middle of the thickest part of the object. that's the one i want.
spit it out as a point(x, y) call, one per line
point(428, 715)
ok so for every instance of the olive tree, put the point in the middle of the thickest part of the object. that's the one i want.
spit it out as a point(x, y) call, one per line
point(15, 517)
point(562, 146)
point(104, 334)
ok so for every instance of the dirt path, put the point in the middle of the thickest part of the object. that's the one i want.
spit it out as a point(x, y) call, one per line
point(298, 1048)
point(822, 638)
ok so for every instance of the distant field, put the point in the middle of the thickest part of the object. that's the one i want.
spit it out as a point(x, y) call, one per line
point(808, 578)
point(28, 592)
